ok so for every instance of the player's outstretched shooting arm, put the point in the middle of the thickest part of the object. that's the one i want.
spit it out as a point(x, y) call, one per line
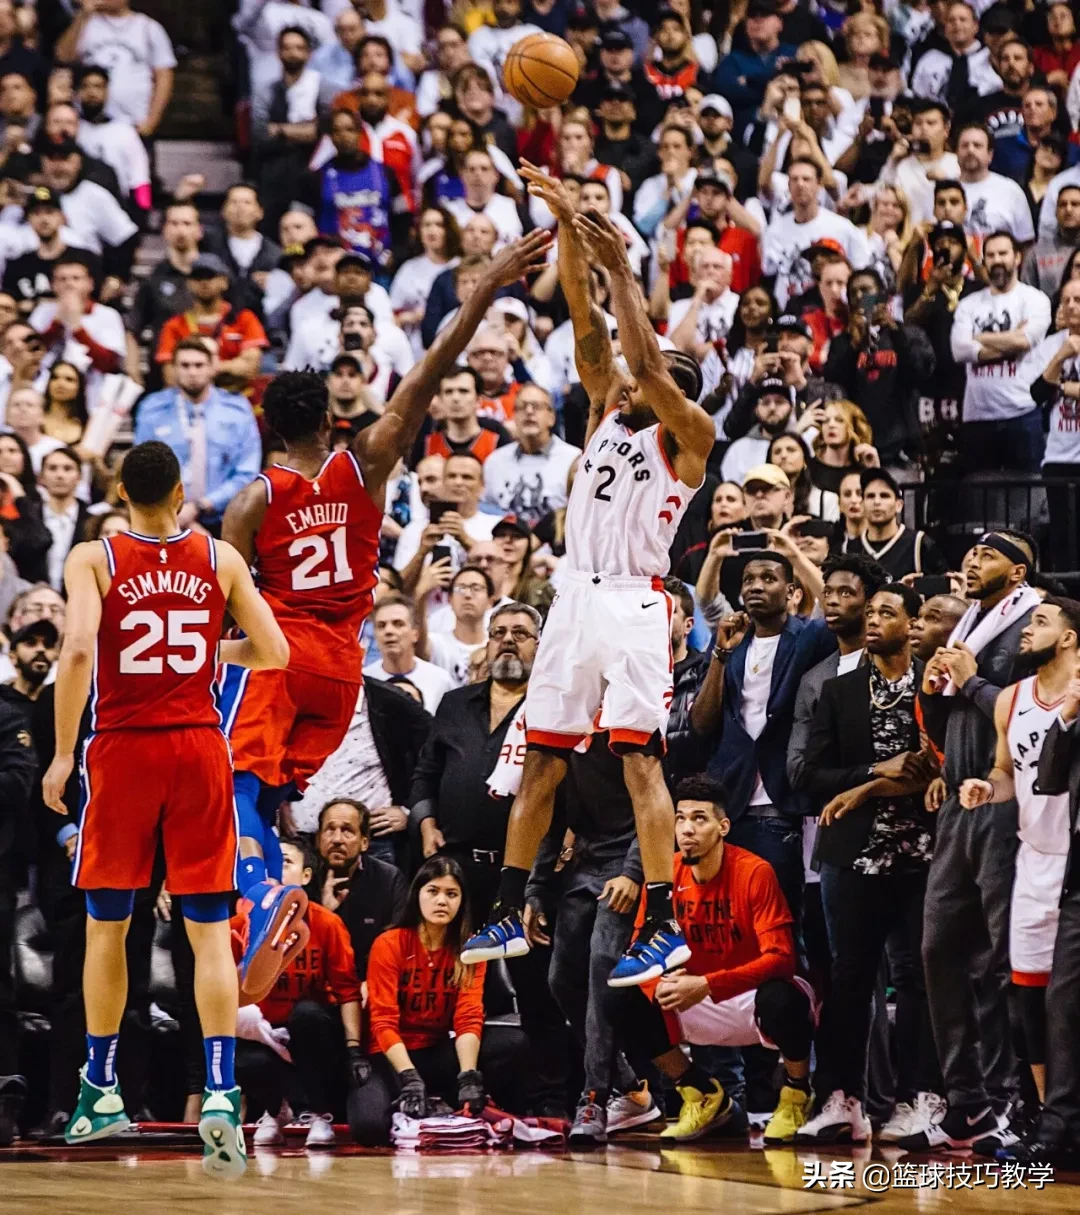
point(264, 646)
point(687, 423)
point(593, 354)
point(379, 447)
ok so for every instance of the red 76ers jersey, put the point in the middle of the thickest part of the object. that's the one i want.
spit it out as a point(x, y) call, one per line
point(626, 503)
point(316, 563)
point(161, 621)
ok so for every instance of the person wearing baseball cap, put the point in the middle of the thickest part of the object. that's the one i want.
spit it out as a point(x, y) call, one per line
point(28, 278)
point(746, 71)
point(677, 68)
point(899, 549)
point(622, 49)
point(772, 416)
point(34, 650)
point(237, 333)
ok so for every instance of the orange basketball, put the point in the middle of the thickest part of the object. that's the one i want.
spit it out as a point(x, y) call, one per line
point(540, 70)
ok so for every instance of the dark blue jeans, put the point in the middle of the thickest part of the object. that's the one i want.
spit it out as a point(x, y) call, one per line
point(1011, 445)
point(778, 841)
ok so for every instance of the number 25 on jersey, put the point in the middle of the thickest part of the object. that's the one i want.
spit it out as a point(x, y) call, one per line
point(186, 649)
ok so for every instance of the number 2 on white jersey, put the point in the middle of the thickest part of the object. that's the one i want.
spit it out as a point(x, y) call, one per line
point(304, 577)
point(131, 662)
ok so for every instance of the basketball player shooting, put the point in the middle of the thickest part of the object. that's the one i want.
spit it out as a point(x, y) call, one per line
point(146, 611)
point(607, 643)
point(310, 528)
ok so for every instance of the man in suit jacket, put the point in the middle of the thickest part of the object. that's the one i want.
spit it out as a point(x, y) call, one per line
point(1056, 1138)
point(863, 761)
point(746, 705)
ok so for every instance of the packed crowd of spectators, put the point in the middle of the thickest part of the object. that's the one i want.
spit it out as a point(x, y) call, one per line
point(862, 221)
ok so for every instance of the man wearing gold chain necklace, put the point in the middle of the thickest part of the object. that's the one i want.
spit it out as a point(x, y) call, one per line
point(875, 841)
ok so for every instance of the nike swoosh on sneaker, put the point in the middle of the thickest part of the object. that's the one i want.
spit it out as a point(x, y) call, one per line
point(978, 1118)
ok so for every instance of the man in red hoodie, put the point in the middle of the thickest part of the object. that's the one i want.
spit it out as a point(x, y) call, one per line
point(739, 987)
point(316, 997)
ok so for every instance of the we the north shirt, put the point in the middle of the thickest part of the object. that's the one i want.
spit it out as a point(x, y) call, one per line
point(412, 995)
point(738, 925)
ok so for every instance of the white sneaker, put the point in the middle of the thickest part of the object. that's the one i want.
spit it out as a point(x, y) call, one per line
point(635, 1108)
point(899, 1125)
point(268, 1131)
point(927, 1113)
point(320, 1130)
point(841, 1120)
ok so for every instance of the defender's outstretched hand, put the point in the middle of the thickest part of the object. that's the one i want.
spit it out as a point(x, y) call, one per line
point(603, 239)
point(551, 192)
point(525, 256)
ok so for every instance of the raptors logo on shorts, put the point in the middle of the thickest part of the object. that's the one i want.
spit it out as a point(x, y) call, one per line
point(156, 764)
point(607, 642)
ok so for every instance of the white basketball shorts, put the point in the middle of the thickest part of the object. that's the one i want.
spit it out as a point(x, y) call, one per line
point(606, 647)
point(1034, 916)
point(732, 1022)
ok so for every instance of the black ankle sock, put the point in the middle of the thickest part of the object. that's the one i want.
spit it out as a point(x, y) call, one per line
point(802, 1083)
point(512, 888)
point(694, 1077)
point(657, 900)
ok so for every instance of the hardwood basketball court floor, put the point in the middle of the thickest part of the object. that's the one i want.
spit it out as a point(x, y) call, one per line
point(126, 1177)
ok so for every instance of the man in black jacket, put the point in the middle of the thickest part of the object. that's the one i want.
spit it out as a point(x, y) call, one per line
point(863, 760)
point(686, 755)
point(374, 766)
point(18, 766)
point(368, 894)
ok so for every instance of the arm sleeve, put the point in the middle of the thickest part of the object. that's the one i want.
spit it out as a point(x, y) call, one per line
point(741, 416)
point(383, 974)
point(428, 770)
point(772, 926)
point(982, 693)
point(469, 1008)
point(246, 468)
point(964, 347)
point(935, 714)
point(399, 894)
point(800, 734)
point(18, 764)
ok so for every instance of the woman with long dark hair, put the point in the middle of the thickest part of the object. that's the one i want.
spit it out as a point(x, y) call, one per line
point(789, 452)
point(20, 510)
point(65, 404)
point(418, 991)
point(440, 248)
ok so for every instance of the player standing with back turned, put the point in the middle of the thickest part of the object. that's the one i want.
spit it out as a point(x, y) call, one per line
point(146, 612)
point(310, 528)
point(607, 641)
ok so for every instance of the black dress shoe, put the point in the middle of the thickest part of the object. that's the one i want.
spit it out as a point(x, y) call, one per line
point(53, 1127)
point(13, 1090)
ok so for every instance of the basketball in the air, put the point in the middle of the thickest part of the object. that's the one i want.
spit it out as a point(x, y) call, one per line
point(541, 70)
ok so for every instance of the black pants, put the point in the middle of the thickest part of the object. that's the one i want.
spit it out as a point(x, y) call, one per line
point(861, 910)
point(9, 1021)
point(503, 1051)
point(966, 951)
point(782, 1011)
point(550, 1041)
point(315, 1082)
point(1060, 1122)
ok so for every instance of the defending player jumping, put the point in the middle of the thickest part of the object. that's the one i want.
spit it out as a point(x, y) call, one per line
point(606, 645)
point(311, 530)
point(1023, 715)
point(145, 616)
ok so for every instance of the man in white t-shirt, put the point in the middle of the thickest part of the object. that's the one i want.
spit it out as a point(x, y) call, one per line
point(472, 594)
point(457, 529)
point(397, 636)
point(992, 331)
point(933, 74)
point(479, 177)
point(915, 172)
point(706, 316)
point(489, 45)
point(96, 219)
point(113, 140)
point(528, 478)
point(994, 203)
point(77, 330)
point(137, 52)
point(788, 236)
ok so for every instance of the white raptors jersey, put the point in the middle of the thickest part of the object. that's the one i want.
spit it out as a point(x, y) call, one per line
point(1044, 821)
point(626, 504)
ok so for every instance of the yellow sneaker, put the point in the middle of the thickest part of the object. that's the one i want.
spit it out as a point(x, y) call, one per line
point(700, 1113)
point(790, 1116)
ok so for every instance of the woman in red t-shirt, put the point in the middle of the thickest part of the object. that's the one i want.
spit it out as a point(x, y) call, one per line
point(418, 992)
